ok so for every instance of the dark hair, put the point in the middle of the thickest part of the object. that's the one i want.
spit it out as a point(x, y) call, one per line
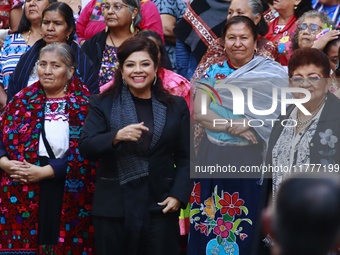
point(337, 69)
point(302, 7)
point(129, 46)
point(25, 24)
point(309, 56)
point(165, 61)
point(310, 14)
point(306, 219)
point(241, 19)
point(132, 5)
point(257, 8)
point(65, 11)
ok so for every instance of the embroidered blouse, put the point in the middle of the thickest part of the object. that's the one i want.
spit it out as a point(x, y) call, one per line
point(56, 128)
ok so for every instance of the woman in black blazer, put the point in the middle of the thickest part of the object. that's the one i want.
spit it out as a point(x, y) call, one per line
point(141, 137)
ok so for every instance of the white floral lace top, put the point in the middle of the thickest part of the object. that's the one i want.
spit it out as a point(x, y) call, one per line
point(292, 149)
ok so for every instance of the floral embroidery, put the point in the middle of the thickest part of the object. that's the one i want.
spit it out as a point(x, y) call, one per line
point(329, 140)
point(220, 215)
point(195, 194)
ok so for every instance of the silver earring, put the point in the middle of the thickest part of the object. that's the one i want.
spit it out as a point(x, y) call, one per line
point(65, 88)
point(154, 81)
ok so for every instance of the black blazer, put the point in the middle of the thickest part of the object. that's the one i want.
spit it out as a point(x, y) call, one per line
point(173, 148)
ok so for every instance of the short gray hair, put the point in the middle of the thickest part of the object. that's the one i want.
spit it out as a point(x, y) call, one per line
point(132, 5)
point(310, 14)
point(65, 52)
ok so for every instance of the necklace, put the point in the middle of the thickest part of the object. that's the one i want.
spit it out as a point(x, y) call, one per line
point(114, 47)
point(28, 36)
point(302, 123)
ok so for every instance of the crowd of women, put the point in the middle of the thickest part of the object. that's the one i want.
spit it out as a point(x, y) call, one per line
point(98, 139)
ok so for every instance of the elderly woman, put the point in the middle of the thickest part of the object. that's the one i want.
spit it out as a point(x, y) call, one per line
point(283, 27)
point(314, 29)
point(29, 31)
point(47, 185)
point(140, 135)
point(312, 137)
point(253, 9)
point(57, 26)
point(121, 19)
point(91, 19)
point(224, 211)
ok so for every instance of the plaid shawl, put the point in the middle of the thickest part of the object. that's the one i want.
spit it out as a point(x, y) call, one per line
point(21, 124)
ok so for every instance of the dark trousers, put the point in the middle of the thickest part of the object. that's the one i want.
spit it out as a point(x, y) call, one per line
point(163, 236)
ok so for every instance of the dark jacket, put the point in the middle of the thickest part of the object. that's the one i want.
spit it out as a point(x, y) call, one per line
point(19, 79)
point(329, 119)
point(172, 148)
point(94, 48)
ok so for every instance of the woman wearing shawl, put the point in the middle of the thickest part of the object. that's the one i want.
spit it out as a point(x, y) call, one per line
point(140, 135)
point(224, 211)
point(253, 9)
point(47, 187)
point(57, 25)
point(282, 28)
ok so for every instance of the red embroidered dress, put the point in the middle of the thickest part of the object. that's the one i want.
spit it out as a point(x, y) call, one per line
point(20, 128)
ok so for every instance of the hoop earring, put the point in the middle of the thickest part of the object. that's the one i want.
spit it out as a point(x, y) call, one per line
point(132, 26)
point(154, 81)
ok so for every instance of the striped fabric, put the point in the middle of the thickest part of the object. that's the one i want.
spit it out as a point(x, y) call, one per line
point(14, 47)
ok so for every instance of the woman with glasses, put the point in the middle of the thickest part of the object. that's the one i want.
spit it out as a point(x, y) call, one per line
point(91, 20)
point(282, 28)
point(314, 29)
point(310, 140)
point(121, 18)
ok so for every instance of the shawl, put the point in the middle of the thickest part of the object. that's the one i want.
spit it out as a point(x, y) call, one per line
point(85, 70)
point(216, 54)
point(282, 39)
point(21, 125)
point(201, 24)
point(262, 75)
point(132, 157)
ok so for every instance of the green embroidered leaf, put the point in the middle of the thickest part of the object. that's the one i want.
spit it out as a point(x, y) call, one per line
point(238, 221)
point(244, 209)
point(193, 212)
point(231, 237)
point(227, 217)
point(219, 239)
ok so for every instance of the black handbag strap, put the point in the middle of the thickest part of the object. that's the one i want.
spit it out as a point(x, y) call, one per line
point(47, 145)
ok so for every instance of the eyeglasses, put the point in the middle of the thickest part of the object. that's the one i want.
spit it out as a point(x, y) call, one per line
point(299, 80)
point(117, 7)
point(313, 28)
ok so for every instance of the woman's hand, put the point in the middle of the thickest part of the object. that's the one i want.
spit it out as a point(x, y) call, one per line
point(249, 135)
point(238, 126)
point(30, 173)
point(171, 204)
point(130, 133)
point(324, 39)
point(6, 164)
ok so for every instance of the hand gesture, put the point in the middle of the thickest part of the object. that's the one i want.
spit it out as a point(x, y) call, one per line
point(171, 204)
point(130, 133)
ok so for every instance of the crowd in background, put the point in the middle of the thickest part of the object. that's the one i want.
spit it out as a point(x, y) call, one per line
point(102, 123)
